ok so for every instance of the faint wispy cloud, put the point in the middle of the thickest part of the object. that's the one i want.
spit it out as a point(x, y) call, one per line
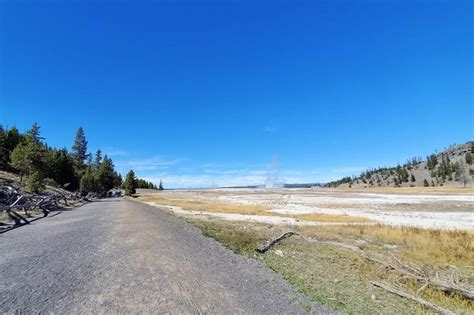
point(270, 128)
point(148, 164)
point(115, 152)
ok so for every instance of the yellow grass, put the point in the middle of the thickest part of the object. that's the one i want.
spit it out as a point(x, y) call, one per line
point(436, 248)
point(408, 190)
point(340, 277)
point(198, 205)
point(207, 206)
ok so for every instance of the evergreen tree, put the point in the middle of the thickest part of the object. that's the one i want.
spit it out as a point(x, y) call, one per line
point(34, 133)
point(161, 185)
point(79, 148)
point(60, 168)
point(468, 158)
point(35, 182)
point(98, 158)
point(29, 156)
point(412, 178)
point(130, 183)
point(106, 175)
point(425, 183)
point(4, 154)
point(89, 181)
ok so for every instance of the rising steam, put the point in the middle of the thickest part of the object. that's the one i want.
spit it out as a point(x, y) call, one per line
point(272, 180)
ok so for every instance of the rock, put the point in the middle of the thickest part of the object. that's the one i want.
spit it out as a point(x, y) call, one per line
point(279, 252)
point(372, 297)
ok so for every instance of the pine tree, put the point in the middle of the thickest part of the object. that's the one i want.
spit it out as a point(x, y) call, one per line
point(29, 156)
point(425, 183)
point(468, 158)
point(161, 185)
point(4, 154)
point(34, 133)
point(89, 181)
point(412, 178)
point(130, 183)
point(79, 148)
point(98, 158)
point(106, 175)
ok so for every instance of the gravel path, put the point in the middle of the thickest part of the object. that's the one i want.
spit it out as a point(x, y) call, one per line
point(118, 256)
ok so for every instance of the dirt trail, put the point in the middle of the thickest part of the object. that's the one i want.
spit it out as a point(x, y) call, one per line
point(126, 257)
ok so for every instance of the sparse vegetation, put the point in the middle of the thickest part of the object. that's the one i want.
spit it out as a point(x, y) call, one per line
point(447, 166)
point(339, 277)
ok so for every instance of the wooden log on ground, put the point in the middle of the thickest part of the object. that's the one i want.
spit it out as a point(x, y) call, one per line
point(263, 248)
point(412, 297)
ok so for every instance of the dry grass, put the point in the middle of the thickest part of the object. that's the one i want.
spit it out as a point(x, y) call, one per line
point(198, 205)
point(435, 248)
point(340, 278)
point(408, 190)
point(210, 206)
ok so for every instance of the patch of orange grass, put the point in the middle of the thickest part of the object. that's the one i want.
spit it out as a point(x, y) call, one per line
point(428, 247)
point(199, 205)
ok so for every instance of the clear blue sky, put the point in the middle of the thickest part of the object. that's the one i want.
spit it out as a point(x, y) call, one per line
point(207, 93)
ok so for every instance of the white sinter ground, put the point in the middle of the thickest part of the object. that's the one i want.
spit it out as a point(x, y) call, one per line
point(433, 210)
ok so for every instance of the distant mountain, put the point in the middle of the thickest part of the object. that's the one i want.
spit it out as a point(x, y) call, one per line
point(452, 167)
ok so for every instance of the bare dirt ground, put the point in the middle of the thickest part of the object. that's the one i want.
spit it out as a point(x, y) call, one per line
point(438, 208)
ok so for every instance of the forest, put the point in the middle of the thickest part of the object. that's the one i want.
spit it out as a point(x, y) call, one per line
point(38, 164)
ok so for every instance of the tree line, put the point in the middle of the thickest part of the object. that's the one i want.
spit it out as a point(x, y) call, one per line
point(38, 164)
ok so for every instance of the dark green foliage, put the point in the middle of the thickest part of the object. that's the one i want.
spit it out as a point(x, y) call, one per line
point(107, 175)
point(100, 176)
point(431, 161)
point(79, 148)
point(27, 155)
point(141, 183)
point(35, 182)
point(130, 183)
point(343, 180)
point(161, 185)
point(89, 181)
point(425, 183)
point(98, 158)
point(468, 158)
point(439, 166)
point(60, 168)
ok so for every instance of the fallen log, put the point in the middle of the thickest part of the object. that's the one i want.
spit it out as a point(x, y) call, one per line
point(413, 298)
point(403, 269)
point(263, 248)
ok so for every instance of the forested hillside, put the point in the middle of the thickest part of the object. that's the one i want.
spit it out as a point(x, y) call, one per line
point(28, 155)
point(453, 166)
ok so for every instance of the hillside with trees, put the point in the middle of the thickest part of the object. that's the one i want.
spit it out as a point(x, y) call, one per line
point(37, 164)
point(451, 167)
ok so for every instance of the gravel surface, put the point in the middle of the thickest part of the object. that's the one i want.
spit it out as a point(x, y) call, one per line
point(118, 256)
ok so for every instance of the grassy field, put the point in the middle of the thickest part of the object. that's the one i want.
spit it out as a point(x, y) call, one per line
point(314, 262)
